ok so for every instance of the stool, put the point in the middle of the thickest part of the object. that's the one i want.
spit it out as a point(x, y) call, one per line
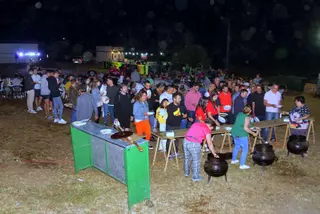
point(255, 140)
point(311, 131)
point(286, 135)
point(229, 141)
point(156, 150)
point(172, 144)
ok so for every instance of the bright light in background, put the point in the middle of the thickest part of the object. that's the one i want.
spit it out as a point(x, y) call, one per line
point(161, 53)
point(22, 54)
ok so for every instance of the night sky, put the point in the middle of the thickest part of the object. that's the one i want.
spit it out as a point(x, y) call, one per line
point(284, 31)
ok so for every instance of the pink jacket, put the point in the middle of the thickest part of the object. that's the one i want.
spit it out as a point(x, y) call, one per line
point(191, 100)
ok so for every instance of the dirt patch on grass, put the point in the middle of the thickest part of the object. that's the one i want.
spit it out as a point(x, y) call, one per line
point(37, 176)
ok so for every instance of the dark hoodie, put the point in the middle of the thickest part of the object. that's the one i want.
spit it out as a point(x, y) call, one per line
point(28, 83)
point(53, 86)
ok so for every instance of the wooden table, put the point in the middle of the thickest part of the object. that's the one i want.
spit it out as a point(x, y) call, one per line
point(271, 124)
point(180, 133)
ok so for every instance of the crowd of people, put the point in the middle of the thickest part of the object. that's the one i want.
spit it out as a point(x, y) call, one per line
point(194, 99)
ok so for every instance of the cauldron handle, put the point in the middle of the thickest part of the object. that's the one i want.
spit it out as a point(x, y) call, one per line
point(209, 178)
point(276, 159)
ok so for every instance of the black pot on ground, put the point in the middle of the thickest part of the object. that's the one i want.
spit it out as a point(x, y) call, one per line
point(215, 167)
point(263, 155)
point(297, 144)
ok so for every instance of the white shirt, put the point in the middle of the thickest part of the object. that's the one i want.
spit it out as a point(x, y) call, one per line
point(138, 87)
point(167, 96)
point(36, 78)
point(103, 90)
point(16, 82)
point(272, 98)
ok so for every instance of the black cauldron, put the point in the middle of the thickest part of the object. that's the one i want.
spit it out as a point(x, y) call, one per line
point(297, 144)
point(215, 167)
point(263, 155)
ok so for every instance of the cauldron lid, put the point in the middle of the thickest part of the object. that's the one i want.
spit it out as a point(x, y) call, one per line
point(225, 156)
point(297, 138)
point(263, 146)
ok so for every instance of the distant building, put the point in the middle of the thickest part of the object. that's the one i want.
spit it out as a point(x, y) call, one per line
point(108, 53)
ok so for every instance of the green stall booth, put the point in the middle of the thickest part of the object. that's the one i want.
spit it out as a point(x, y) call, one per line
point(116, 158)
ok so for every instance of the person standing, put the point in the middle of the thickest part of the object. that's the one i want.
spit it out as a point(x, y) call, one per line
point(162, 115)
point(112, 92)
point(86, 105)
point(272, 102)
point(56, 98)
point(123, 108)
point(240, 102)
point(95, 91)
point(147, 88)
point(212, 111)
point(45, 93)
point(29, 88)
point(198, 132)
point(140, 113)
point(201, 110)
point(240, 134)
point(191, 101)
point(167, 94)
point(135, 76)
point(175, 115)
point(258, 108)
point(299, 117)
point(73, 95)
point(257, 80)
point(154, 101)
point(225, 103)
point(37, 89)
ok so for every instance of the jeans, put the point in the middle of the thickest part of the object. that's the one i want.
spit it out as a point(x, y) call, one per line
point(30, 99)
point(242, 142)
point(73, 115)
point(105, 113)
point(151, 121)
point(108, 109)
point(191, 114)
point(57, 107)
point(270, 116)
point(192, 152)
point(183, 124)
point(111, 110)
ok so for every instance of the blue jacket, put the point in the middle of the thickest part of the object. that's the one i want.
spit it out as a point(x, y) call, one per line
point(139, 109)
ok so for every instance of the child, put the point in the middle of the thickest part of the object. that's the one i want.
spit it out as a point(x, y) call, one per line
point(162, 115)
